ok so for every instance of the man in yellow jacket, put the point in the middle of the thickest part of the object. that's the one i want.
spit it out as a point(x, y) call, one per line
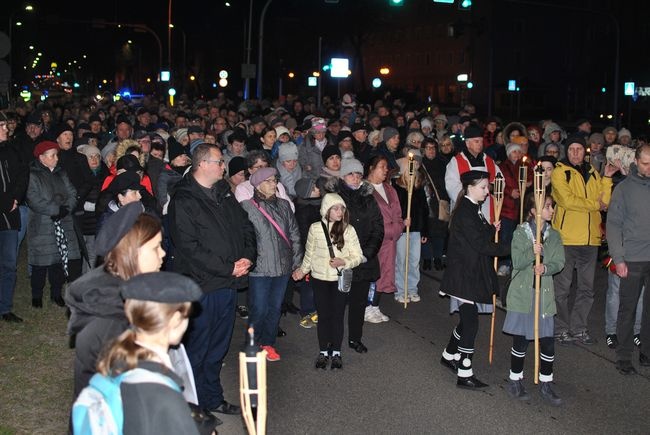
point(581, 195)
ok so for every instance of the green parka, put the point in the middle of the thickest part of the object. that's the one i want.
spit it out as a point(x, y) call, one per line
point(522, 286)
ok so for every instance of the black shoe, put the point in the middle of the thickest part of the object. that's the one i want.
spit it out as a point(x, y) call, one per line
point(358, 346)
point(11, 317)
point(226, 408)
point(516, 390)
point(612, 341)
point(437, 264)
point(625, 367)
point(281, 332)
point(643, 359)
point(637, 340)
point(203, 417)
point(450, 364)
point(242, 311)
point(37, 303)
point(547, 393)
point(59, 301)
point(321, 361)
point(426, 264)
point(471, 383)
point(337, 362)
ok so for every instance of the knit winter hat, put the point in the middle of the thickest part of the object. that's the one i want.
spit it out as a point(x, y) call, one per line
point(288, 151)
point(388, 133)
point(597, 138)
point(330, 151)
point(512, 147)
point(349, 166)
point(303, 187)
point(624, 132)
point(236, 165)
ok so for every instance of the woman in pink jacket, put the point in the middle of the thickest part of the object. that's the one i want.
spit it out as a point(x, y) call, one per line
point(389, 205)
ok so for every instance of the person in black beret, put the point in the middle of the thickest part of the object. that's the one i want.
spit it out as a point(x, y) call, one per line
point(129, 243)
point(236, 172)
point(470, 279)
point(158, 306)
point(360, 145)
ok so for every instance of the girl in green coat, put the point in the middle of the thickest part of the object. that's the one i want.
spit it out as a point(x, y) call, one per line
point(520, 301)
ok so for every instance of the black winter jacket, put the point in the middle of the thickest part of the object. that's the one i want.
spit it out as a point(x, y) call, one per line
point(419, 209)
point(470, 271)
point(210, 234)
point(13, 186)
point(367, 221)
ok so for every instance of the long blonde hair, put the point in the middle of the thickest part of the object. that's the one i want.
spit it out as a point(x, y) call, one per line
point(144, 316)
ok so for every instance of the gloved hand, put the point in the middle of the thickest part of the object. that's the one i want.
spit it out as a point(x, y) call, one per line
point(63, 212)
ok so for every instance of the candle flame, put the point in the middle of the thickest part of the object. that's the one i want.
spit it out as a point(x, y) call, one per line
point(524, 159)
point(411, 155)
point(588, 150)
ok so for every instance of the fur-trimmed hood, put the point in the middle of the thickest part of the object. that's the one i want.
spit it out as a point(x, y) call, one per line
point(123, 145)
point(336, 185)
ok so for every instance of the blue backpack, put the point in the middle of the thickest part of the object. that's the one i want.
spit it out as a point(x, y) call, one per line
point(98, 409)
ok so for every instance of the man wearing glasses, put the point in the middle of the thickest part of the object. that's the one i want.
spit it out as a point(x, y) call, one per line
point(215, 245)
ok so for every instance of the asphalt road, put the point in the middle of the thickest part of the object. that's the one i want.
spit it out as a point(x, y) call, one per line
point(399, 386)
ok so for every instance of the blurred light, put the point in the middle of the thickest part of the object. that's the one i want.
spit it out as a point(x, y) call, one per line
point(223, 74)
point(171, 92)
point(74, 61)
point(349, 72)
point(462, 77)
point(223, 82)
point(601, 116)
point(76, 85)
point(39, 54)
point(125, 93)
point(192, 78)
point(18, 23)
point(376, 82)
point(129, 42)
point(227, 4)
point(603, 89)
point(470, 85)
point(98, 97)
point(43, 97)
point(291, 75)
point(312, 81)
point(315, 74)
point(25, 95)
point(327, 67)
point(53, 65)
point(165, 76)
point(148, 79)
point(517, 89)
point(104, 81)
point(84, 56)
point(171, 26)
point(610, 116)
point(340, 67)
point(214, 85)
point(396, 2)
point(384, 71)
point(29, 8)
point(58, 74)
point(31, 47)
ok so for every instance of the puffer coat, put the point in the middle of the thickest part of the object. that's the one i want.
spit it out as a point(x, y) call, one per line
point(46, 193)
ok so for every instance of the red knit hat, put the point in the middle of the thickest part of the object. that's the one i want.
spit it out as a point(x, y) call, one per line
point(45, 146)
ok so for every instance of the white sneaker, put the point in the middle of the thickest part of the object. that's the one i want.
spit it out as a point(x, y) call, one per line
point(400, 299)
point(380, 315)
point(503, 270)
point(371, 315)
point(414, 298)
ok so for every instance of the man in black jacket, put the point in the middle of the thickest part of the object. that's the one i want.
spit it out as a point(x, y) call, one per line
point(215, 245)
point(13, 184)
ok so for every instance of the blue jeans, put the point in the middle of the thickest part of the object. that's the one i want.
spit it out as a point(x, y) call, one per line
point(612, 303)
point(8, 263)
point(306, 298)
point(207, 341)
point(24, 219)
point(414, 264)
point(265, 295)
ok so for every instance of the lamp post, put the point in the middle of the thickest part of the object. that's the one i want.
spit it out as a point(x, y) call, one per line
point(27, 8)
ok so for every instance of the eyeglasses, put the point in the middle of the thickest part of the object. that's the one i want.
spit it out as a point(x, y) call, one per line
point(218, 162)
point(271, 180)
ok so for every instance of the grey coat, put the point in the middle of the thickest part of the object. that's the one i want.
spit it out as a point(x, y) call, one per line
point(274, 256)
point(46, 192)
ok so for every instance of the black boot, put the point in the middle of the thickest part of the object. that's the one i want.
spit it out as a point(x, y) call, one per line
point(547, 393)
point(37, 302)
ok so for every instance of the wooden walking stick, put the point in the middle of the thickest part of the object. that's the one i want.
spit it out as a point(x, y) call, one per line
point(539, 193)
point(497, 197)
point(411, 172)
point(523, 177)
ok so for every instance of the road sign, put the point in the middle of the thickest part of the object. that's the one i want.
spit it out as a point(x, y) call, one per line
point(512, 85)
point(312, 81)
point(629, 88)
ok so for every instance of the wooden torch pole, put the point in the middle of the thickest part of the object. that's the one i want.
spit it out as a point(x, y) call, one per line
point(411, 180)
point(523, 177)
point(539, 205)
point(497, 197)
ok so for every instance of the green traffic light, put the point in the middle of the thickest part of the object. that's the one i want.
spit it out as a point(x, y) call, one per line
point(465, 4)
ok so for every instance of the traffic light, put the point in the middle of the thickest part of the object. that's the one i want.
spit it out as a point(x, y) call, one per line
point(396, 2)
point(464, 5)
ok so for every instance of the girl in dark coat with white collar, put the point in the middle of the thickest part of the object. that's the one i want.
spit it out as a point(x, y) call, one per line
point(470, 278)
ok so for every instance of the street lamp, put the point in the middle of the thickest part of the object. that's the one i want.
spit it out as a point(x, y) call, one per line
point(27, 8)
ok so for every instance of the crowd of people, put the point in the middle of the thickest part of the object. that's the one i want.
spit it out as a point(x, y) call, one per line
point(340, 204)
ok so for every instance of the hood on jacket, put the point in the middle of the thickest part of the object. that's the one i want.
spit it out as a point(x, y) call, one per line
point(329, 201)
point(336, 185)
point(550, 128)
point(508, 129)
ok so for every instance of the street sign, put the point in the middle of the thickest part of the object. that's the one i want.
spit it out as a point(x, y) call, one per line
point(312, 81)
point(340, 67)
point(643, 91)
point(629, 88)
point(512, 85)
point(165, 76)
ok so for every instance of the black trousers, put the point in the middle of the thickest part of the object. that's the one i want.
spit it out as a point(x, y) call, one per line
point(357, 300)
point(330, 304)
point(54, 272)
point(638, 275)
